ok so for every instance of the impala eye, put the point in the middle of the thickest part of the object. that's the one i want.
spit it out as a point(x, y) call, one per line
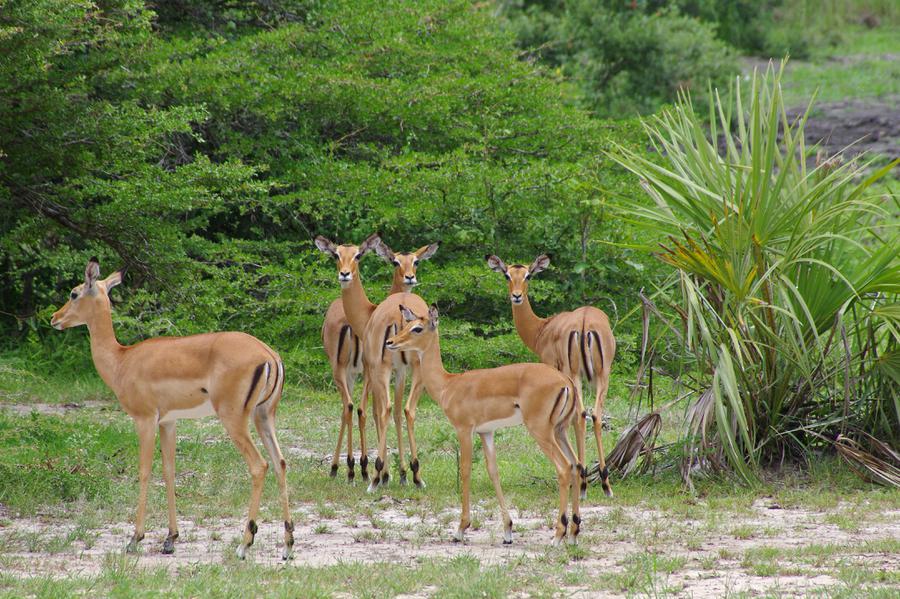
point(508, 278)
point(74, 295)
point(528, 276)
point(415, 262)
point(357, 257)
point(396, 263)
point(417, 329)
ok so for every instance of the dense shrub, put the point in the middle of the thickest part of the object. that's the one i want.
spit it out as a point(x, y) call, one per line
point(204, 145)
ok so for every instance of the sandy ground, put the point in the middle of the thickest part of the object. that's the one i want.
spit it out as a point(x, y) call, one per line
point(713, 567)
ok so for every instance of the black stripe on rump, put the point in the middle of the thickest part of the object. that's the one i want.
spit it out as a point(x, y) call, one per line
point(569, 348)
point(256, 374)
point(584, 364)
point(556, 403)
point(341, 337)
point(279, 381)
point(387, 333)
point(599, 349)
point(355, 350)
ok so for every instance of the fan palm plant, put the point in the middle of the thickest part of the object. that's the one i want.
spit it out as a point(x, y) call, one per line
point(786, 278)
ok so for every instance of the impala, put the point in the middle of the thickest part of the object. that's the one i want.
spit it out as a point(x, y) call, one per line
point(579, 344)
point(359, 312)
point(482, 401)
point(160, 380)
point(342, 345)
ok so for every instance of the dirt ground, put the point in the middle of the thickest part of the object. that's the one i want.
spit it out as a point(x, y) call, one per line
point(713, 567)
point(868, 125)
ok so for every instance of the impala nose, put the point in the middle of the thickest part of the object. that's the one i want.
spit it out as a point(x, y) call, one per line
point(516, 298)
point(410, 280)
point(344, 275)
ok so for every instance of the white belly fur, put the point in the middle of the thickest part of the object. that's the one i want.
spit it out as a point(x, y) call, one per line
point(203, 410)
point(492, 425)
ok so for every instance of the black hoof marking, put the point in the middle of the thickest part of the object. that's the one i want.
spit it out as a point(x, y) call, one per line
point(288, 526)
point(604, 473)
point(169, 544)
point(414, 466)
point(505, 542)
point(564, 520)
point(350, 408)
point(419, 483)
point(379, 464)
point(403, 477)
point(385, 478)
point(252, 527)
point(333, 472)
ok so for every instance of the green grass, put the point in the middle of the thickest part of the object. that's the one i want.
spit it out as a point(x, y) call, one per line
point(864, 65)
point(80, 466)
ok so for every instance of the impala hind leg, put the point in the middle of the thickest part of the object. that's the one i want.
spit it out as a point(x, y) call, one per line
point(146, 431)
point(415, 392)
point(547, 442)
point(240, 435)
point(167, 448)
point(361, 414)
point(399, 391)
point(265, 426)
point(580, 422)
point(490, 459)
point(381, 400)
point(602, 388)
point(562, 440)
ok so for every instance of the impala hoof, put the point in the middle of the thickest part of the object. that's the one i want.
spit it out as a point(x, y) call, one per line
point(334, 470)
point(168, 547)
point(132, 546)
point(403, 478)
point(419, 483)
point(459, 537)
point(241, 552)
point(373, 486)
point(287, 554)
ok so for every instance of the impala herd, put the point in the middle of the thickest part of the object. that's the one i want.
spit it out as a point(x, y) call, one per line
point(236, 376)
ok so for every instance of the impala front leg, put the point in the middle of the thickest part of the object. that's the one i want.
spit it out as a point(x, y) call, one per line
point(399, 389)
point(361, 414)
point(581, 416)
point(167, 447)
point(465, 473)
point(146, 431)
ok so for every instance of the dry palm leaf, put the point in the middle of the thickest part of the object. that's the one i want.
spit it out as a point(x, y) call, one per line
point(879, 464)
point(637, 440)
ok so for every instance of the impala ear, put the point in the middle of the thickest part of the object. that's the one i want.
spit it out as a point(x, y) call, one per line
point(408, 315)
point(114, 279)
point(539, 264)
point(386, 253)
point(91, 273)
point(495, 264)
point(424, 253)
point(433, 316)
point(326, 245)
point(371, 243)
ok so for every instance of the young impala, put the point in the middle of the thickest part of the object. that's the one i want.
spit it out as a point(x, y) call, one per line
point(482, 401)
point(344, 349)
point(158, 381)
point(579, 344)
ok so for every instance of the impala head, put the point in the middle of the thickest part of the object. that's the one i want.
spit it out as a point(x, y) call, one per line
point(417, 331)
point(406, 263)
point(86, 298)
point(347, 255)
point(518, 275)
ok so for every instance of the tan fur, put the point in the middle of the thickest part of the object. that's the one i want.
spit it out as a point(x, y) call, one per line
point(545, 399)
point(552, 340)
point(164, 375)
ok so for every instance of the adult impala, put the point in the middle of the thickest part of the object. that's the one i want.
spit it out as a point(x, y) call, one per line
point(359, 312)
point(343, 347)
point(579, 344)
point(161, 380)
point(482, 401)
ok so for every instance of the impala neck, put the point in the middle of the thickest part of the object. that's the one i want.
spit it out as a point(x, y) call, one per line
point(105, 349)
point(528, 324)
point(398, 286)
point(357, 306)
point(434, 375)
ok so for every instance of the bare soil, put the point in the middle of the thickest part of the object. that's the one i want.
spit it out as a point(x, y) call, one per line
point(711, 567)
